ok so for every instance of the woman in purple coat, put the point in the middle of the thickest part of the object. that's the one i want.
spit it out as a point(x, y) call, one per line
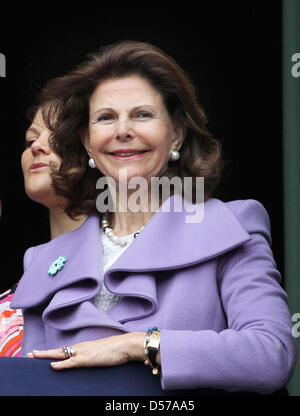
point(181, 281)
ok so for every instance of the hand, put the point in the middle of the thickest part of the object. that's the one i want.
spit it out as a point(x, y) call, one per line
point(115, 350)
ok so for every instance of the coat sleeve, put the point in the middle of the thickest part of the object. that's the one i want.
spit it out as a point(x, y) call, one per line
point(257, 351)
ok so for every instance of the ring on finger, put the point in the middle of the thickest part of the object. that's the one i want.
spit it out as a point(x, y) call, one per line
point(68, 352)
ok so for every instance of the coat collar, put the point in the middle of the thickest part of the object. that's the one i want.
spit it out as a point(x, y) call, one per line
point(81, 248)
point(167, 242)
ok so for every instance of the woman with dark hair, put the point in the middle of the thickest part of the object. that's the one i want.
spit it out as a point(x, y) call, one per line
point(36, 160)
point(208, 284)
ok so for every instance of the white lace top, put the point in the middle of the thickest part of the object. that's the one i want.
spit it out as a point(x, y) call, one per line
point(105, 300)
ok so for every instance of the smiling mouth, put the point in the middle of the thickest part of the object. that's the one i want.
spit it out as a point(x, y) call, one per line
point(128, 155)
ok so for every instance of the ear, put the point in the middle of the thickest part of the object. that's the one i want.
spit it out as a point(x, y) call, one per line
point(180, 132)
point(85, 140)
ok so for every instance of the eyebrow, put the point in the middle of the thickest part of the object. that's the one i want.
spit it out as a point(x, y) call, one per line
point(32, 129)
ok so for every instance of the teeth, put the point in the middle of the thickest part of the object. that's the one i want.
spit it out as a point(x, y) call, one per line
point(127, 154)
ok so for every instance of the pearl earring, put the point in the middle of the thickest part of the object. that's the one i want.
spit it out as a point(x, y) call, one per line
point(174, 155)
point(92, 163)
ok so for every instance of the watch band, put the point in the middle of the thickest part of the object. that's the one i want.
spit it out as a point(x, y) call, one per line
point(152, 348)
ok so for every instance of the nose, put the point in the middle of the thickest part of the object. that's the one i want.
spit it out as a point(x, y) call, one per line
point(41, 145)
point(124, 130)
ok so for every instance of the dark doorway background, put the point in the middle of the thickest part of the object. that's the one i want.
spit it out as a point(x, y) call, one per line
point(231, 49)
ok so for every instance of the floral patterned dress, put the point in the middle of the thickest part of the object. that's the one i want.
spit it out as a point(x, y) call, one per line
point(11, 326)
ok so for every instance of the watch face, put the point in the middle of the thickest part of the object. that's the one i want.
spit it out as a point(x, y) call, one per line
point(154, 340)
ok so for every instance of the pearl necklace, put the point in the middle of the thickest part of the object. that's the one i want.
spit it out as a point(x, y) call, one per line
point(111, 235)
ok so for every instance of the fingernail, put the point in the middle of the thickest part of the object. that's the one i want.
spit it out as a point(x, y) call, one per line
point(29, 355)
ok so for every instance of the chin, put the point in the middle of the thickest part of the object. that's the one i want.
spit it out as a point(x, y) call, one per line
point(39, 195)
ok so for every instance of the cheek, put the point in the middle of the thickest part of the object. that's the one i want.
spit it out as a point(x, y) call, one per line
point(162, 145)
point(158, 137)
point(25, 161)
point(99, 137)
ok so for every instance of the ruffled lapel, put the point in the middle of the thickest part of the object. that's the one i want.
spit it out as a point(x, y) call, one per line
point(167, 242)
point(81, 273)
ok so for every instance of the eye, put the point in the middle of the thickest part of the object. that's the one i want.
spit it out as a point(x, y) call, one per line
point(28, 143)
point(143, 114)
point(104, 117)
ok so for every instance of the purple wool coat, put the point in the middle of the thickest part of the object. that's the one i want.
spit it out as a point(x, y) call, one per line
point(212, 288)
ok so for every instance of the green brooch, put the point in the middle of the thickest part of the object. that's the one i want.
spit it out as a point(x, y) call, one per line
point(57, 265)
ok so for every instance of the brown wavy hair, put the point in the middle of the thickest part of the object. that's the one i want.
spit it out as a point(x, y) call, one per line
point(65, 107)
